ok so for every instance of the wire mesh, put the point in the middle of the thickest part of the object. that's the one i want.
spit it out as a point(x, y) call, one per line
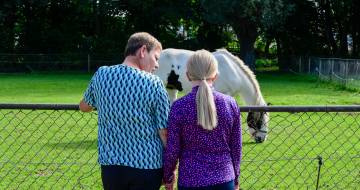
point(57, 149)
point(345, 72)
point(48, 149)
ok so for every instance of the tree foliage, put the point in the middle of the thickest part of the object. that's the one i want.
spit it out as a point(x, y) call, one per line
point(310, 27)
point(248, 18)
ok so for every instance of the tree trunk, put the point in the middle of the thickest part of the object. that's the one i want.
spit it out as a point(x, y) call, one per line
point(247, 34)
point(343, 41)
point(355, 29)
point(328, 18)
point(27, 27)
point(266, 50)
point(285, 52)
point(96, 15)
point(283, 60)
point(9, 23)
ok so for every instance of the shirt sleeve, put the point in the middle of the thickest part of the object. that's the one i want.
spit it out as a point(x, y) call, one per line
point(236, 141)
point(172, 149)
point(89, 95)
point(162, 106)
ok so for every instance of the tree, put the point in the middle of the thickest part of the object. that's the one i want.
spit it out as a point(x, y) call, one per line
point(247, 18)
point(8, 18)
point(319, 28)
point(355, 27)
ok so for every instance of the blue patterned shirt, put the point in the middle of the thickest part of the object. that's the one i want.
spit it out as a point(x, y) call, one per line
point(132, 106)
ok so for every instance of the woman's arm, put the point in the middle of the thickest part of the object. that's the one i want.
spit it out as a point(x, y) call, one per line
point(236, 142)
point(172, 150)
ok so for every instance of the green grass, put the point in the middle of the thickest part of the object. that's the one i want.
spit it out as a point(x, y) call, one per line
point(291, 89)
point(57, 149)
point(43, 88)
point(277, 88)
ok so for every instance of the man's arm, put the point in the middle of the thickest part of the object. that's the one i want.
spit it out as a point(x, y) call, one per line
point(163, 136)
point(84, 107)
point(162, 109)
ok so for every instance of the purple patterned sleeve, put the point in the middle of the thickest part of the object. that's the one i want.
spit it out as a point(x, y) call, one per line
point(172, 149)
point(236, 142)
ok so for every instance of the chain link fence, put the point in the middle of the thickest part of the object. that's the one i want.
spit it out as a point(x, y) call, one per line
point(345, 72)
point(55, 147)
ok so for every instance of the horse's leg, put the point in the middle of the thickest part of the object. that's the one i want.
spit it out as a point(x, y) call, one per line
point(172, 94)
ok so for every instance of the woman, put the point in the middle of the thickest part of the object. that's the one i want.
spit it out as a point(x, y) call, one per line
point(204, 133)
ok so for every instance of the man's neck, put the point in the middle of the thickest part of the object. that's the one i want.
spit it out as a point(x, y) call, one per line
point(131, 61)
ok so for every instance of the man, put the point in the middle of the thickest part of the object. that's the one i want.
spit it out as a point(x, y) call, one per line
point(132, 106)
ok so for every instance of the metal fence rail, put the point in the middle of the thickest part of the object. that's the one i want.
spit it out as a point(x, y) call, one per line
point(55, 147)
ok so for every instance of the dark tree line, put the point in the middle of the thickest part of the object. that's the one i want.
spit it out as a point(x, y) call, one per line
point(313, 27)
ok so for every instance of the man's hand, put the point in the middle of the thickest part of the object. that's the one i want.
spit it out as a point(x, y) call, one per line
point(84, 107)
point(163, 136)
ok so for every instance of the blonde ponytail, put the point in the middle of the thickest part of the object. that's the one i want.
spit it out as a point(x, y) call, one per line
point(201, 66)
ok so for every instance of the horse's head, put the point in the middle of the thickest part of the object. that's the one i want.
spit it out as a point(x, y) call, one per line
point(258, 125)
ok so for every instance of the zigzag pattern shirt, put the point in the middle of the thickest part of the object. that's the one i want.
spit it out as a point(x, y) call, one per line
point(132, 106)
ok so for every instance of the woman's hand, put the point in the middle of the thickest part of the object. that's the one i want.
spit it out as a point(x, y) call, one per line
point(169, 186)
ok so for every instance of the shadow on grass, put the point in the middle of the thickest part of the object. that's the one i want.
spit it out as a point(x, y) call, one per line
point(85, 144)
point(249, 143)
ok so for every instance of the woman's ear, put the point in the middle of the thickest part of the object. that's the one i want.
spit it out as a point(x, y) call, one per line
point(187, 75)
point(214, 78)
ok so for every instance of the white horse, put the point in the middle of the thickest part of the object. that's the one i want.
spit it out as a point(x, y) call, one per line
point(234, 78)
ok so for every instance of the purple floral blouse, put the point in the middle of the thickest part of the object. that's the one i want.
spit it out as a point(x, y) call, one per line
point(205, 157)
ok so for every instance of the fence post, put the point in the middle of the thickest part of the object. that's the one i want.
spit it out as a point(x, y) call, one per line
point(346, 72)
point(88, 63)
point(320, 68)
point(332, 70)
point(309, 62)
point(319, 168)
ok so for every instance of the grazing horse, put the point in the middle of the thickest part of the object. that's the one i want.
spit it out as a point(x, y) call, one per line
point(234, 78)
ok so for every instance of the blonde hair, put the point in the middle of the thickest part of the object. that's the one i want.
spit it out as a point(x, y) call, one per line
point(137, 40)
point(201, 66)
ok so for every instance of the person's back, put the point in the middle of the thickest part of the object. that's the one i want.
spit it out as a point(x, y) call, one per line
point(132, 107)
point(126, 99)
point(203, 151)
point(204, 133)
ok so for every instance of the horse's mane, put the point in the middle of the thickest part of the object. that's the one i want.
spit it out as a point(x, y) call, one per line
point(244, 68)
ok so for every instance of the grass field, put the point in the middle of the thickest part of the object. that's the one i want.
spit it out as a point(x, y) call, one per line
point(57, 149)
point(277, 88)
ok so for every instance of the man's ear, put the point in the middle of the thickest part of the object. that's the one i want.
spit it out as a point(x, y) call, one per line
point(142, 51)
